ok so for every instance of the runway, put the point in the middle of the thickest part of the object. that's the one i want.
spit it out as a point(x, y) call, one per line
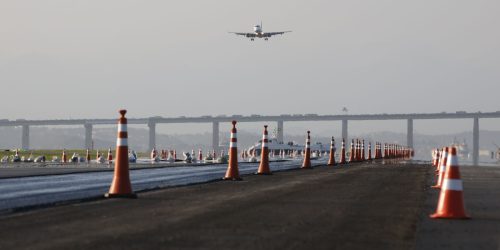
point(359, 206)
point(45, 186)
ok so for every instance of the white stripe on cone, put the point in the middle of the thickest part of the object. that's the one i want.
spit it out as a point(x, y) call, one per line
point(452, 184)
point(121, 142)
point(122, 127)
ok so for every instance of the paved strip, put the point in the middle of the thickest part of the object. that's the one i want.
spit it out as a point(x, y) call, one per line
point(364, 206)
point(16, 193)
point(482, 203)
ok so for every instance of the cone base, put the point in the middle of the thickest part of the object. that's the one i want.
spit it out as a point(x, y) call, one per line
point(232, 179)
point(306, 167)
point(449, 216)
point(257, 173)
point(129, 196)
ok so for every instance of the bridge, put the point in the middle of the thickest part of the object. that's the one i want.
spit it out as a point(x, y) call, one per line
point(151, 122)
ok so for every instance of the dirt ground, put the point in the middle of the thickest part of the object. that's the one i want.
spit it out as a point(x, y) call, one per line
point(363, 206)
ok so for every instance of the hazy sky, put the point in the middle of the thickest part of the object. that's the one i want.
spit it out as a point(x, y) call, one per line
point(86, 59)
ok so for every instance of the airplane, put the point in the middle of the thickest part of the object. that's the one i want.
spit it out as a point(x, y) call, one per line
point(258, 33)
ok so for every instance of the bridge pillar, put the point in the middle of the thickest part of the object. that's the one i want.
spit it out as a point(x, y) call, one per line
point(88, 136)
point(25, 139)
point(152, 135)
point(409, 133)
point(475, 142)
point(344, 131)
point(279, 132)
point(215, 136)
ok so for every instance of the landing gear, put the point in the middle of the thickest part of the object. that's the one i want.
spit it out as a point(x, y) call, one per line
point(266, 38)
point(251, 39)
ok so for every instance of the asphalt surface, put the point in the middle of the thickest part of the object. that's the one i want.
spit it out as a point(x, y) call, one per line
point(13, 170)
point(363, 206)
point(46, 190)
point(482, 204)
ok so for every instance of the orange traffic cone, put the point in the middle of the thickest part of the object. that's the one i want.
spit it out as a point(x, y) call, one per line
point(438, 165)
point(436, 158)
point(153, 153)
point(200, 155)
point(64, 158)
point(342, 153)
point(442, 168)
point(110, 155)
point(363, 151)
point(451, 198)
point(369, 151)
point(232, 172)
point(352, 152)
point(358, 154)
point(307, 158)
point(87, 156)
point(331, 160)
point(121, 186)
point(264, 155)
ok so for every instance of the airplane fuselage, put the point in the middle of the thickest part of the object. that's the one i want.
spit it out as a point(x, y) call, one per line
point(259, 33)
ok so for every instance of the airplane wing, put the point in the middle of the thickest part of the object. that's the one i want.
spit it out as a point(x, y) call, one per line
point(244, 34)
point(269, 34)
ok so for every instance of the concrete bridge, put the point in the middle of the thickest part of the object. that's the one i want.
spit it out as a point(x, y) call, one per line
point(151, 122)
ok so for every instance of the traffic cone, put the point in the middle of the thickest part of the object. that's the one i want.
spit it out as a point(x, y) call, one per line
point(342, 153)
point(153, 154)
point(121, 186)
point(352, 152)
point(97, 155)
point(436, 158)
point(363, 150)
point(264, 155)
point(358, 150)
point(87, 156)
point(64, 157)
point(451, 198)
point(355, 150)
point(442, 168)
point(331, 159)
point(369, 151)
point(438, 165)
point(232, 172)
point(200, 155)
point(110, 155)
point(307, 158)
